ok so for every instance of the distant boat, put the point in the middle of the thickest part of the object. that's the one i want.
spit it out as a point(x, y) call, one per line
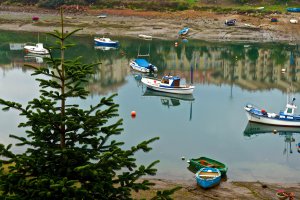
point(283, 118)
point(230, 22)
point(142, 65)
point(273, 19)
point(293, 9)
point(36, 49)
point(208, 177)
point(169, 84)
point(293, 21)
point(198, 163)
point(183, 31)
point(105, 42)
point(146, 37)
point(102, 16)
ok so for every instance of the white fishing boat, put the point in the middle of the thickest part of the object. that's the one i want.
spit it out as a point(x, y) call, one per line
point(146, 37)
point(169, 84)
point(283, 118)
point(293, 21)
point(36, 49)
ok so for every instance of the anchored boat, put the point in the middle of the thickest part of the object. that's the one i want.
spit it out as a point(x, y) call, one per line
point(283, 118)
point(36, 49)
point(105, 42)
point(170, 84)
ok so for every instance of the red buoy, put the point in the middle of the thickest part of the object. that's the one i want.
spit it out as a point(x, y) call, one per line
point(133, 114)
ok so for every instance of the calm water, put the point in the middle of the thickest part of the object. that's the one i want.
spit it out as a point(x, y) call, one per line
point(212, 123)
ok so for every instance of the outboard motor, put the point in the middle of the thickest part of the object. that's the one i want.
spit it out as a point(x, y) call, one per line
point(151, 68)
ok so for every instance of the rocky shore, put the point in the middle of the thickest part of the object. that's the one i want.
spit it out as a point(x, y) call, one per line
point(204, 26)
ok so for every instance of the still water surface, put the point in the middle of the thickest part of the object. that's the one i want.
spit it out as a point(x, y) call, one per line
point(212, 123)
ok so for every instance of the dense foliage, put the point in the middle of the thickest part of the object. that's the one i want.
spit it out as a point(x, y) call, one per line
point(69, 151)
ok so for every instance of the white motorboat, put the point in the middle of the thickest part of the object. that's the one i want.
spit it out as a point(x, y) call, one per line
point(36, 49)
point(170, 84)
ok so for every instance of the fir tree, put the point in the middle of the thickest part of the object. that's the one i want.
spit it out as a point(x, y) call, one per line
point(69, 152)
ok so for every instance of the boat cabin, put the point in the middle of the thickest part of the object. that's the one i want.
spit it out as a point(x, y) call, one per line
point(171, 81)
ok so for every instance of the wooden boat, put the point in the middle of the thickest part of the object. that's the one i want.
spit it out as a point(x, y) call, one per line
point(208, 177)
point(283, 118)
point(198, 163)
point(146, 37)
point(105, 42)
point(183, 31)
point(36, 49)
point(170, 84)
point(142, 65)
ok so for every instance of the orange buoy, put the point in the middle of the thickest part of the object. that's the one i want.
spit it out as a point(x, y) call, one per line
point(133, 114)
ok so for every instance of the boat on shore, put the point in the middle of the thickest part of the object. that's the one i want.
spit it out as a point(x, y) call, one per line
point(208, 177)
point(142, 65)
point(105, 42)
point(146, 37)
point(202, 162)
point(36, 49)
point(293, 9)
point(169, 84)
point(283, 118)
point(183, 31)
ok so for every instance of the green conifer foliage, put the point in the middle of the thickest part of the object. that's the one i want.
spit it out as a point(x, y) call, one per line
point(69, 152)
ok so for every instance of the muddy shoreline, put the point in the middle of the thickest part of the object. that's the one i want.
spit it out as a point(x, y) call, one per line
point(204, 26)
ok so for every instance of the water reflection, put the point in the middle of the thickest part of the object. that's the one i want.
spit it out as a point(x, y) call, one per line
point(251, 67)
point(105, 48)
point(255, 129)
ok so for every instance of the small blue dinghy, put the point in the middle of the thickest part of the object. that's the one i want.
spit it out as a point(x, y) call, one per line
point(208, 177)
point(184, 31)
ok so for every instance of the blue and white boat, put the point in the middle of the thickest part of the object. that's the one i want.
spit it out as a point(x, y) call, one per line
point(208, 177)
point(105, 42)
point(183, 31)
point(142, 65)
point(169, 84)
point(283, 118)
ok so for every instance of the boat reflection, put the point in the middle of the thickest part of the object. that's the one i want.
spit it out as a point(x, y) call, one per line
point(174, 99)
point(105, 48)
point(254, 129)
point(35, 58)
